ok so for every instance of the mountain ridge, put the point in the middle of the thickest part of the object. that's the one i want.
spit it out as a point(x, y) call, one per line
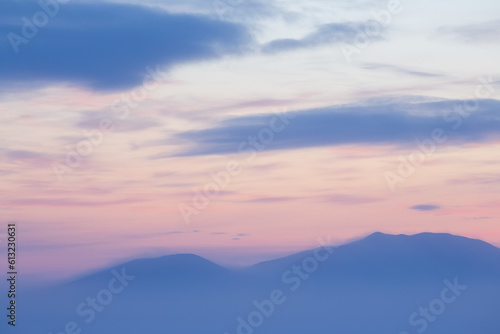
point(190, 260)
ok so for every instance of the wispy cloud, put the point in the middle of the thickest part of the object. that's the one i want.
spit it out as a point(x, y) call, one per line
point(349, 199)
point(425, 207)
point(323, 35)
point(397, 124)
point(376, 66)
point(23, 155)
point(91, 119)
point(272, 199)
point(247, 10)
point(6, 172)
point(67, 202)
point(478, 179)
point(486, 32)
point(332, 198)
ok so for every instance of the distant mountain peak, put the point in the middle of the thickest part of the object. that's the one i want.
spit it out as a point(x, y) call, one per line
point(183, 260)
point(183, 257)
point(384, 236)
point(423, 235)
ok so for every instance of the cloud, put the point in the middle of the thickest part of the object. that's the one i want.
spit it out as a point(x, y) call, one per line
point(92, 119)
point(156, 234)
point(398, 124)
point(164, 174)
point(38, 246)
point(234, 10)
point(23, 155)
point(323, 35)
point(375, 66)
point(425, 207)
point(260, 103)
point(108, 46)
point(478, 178)
point(349, 199)
point(273, 199)
point(486, 32)
point(67, 202)
point(332, 198)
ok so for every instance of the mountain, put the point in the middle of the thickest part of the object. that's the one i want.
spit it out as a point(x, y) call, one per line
point(432, 283)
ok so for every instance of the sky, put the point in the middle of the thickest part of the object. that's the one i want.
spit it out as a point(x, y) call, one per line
point(243, 130)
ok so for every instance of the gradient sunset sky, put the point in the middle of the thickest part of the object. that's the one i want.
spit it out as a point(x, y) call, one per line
point(168, 94)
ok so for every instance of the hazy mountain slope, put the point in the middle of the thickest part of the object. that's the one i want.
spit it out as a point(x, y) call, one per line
point(372, 285)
